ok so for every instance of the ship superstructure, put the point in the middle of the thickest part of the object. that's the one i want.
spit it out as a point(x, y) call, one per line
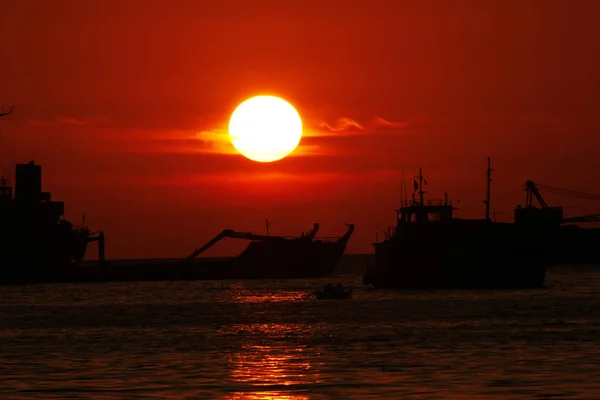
point(430, 248)
point(36, 243)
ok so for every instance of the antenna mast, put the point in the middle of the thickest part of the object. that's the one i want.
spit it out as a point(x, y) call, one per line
point(3, 113)
point(488, 191)
point(402, 189)
point(421, 192)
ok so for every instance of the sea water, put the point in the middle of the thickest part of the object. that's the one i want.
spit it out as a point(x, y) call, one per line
point(274, 340)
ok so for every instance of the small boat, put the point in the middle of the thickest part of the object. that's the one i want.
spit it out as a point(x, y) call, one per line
point(334, 291)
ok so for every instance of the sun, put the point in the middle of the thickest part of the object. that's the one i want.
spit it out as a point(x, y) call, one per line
point(265, 128)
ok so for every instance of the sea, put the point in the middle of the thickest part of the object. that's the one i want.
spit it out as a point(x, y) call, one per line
point(275, 340)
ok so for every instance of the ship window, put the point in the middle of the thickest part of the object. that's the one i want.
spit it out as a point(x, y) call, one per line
point(433, 217)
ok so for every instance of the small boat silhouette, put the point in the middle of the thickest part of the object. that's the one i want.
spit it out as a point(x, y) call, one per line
point(334, 291)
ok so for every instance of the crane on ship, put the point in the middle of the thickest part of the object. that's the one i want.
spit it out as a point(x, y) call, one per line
point(229, 233)
point(551, 214)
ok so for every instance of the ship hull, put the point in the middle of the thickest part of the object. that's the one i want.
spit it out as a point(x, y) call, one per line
point(313, 262)
point(577, 245)
point(42, 254)
point(288, 259)
point(462, 255)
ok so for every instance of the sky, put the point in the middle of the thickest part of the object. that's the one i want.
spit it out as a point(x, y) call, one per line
point(126, 103)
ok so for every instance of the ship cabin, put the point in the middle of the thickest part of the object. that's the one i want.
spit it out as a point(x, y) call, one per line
point(419, 211)
point(414, 211)
point(28, 200)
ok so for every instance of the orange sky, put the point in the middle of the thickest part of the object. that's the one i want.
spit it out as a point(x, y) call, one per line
point(124, 104)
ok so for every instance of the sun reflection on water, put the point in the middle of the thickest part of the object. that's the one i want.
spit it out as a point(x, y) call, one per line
point(267, 396)
point(266, 367)
point(241, 295)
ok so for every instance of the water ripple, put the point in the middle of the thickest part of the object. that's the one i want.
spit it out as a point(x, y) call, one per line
point(274, 340)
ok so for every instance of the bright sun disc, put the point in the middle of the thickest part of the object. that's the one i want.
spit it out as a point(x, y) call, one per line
point(265, 128)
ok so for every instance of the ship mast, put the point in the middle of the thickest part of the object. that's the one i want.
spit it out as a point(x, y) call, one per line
point(2, 114)
point(488, 191)
point(421, 192)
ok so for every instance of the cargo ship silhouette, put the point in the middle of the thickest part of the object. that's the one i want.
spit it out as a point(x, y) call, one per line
point(430, 248)
point(265, 257)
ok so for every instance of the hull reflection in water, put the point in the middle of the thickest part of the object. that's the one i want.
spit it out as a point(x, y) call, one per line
point(284, 371)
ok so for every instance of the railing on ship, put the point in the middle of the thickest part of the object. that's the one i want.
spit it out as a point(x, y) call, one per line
point(321, 238)
point(415, 203)
point(328, 238)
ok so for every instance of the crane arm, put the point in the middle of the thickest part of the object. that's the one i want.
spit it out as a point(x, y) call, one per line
point(532, 191)
point(311, 234)
point(208, 244)
point(228, 233)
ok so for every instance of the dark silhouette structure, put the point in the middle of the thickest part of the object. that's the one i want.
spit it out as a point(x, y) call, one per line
point(572, 244)
point(430, 248)
point(39, 245)
point(266, 257)
point(334, 291)
point(36, 243)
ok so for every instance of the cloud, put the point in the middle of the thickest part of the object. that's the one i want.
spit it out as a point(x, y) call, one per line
point(342, 124)
point(213, 137)
point(268, 179)
point(214, 141)
point(217, 141)
point(345, 126)
point(378, 121)
point(68, 121)
point(210, 141)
